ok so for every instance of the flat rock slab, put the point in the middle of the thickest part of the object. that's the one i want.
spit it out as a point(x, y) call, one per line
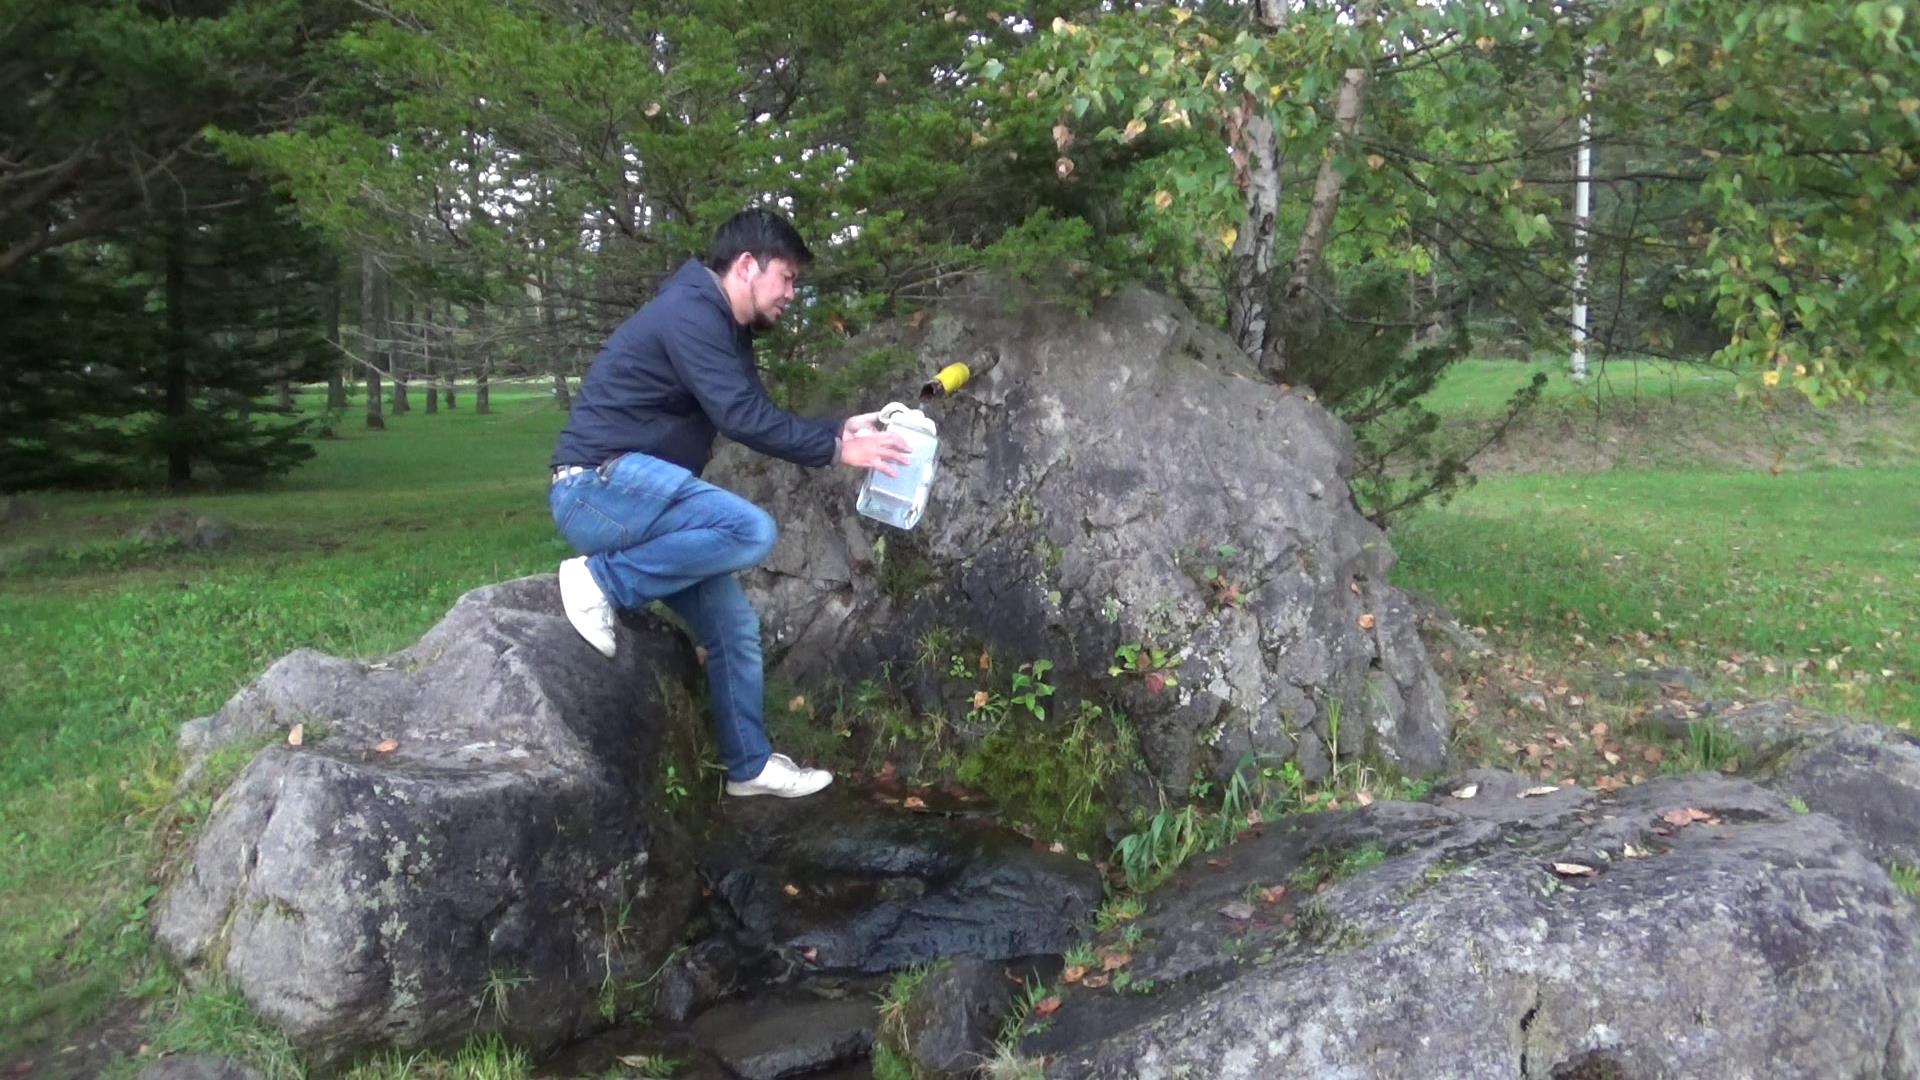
point(1439, 939)
point(767, 1040)
point(198, 1067)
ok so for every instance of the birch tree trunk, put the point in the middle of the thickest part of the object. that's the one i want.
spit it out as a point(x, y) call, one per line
point(1256, 155)
point(1348, 103)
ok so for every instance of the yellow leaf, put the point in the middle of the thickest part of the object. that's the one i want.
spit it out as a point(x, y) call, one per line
point(298, 735)
point(790, 890)
point(1771, 378)
point(1574, 869)
point(1227, 236)
point(1909, 106)
point(1135, 128)
point(1375, 161)
point(1484, 44)
point(1181, 15)
point(1163, 199)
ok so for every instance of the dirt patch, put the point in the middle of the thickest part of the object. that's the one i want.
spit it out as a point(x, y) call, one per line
point(119, 1033)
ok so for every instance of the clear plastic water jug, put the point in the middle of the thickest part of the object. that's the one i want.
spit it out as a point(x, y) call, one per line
point(900, 500)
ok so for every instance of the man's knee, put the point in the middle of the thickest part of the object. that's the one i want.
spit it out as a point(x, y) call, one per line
point(758, 531)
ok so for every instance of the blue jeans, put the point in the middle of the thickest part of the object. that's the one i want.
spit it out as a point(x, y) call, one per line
point(653, 531)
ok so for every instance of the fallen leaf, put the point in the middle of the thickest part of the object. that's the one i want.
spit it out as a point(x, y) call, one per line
point(1612, 758)
point(653, 108)
point(1575, 701)
point(1272, 894)
point(1047, 1006)
point(1163, 199)
point(1545, 789)
point(1467, 792)
point(1254, 817)
point(1156, 683)
point(979, 699)
point(1238, 911)
point(790, 889)
point(385, 746)
point(1112, 961)
point(1136, 127)
point(1366, 621)
point(1073, 974)
point(1653, 755)
point(797, 703)
point(1608, 783)
point(1062, 136)
point(1063, 168)
point(1097, 982)
point(1057, 848)
point(1363, 798)
point(986, 660)
point(1220, 862)
point(297, 735)
point(914, 802)
point(1632, 852)
point(1574, 869)
point(1353, 586)
point(638, 1061)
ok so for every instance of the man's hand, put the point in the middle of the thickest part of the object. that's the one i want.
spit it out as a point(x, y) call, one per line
point(863, 424)
point(876, 450)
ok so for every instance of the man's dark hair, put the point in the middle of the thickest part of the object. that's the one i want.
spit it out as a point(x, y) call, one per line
point(760, 233)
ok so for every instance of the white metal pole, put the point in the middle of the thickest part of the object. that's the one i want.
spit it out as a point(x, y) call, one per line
point(1582, 208)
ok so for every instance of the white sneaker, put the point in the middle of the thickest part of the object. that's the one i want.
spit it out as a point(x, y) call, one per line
point(780, 776)
point(587, 607)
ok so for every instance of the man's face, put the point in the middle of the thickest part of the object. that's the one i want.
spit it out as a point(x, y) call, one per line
point(769, 290)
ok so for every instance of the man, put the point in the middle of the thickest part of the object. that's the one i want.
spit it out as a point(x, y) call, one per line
point(627, 492)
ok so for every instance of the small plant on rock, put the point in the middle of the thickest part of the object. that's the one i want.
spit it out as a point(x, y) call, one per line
point(1149, 665)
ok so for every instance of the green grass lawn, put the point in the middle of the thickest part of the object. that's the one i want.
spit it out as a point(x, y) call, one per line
point(1483, 386)
point(1806, 581)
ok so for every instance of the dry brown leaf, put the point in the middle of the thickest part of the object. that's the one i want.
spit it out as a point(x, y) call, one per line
point(1254, 817)
point(1063, 168)
point(1073, 974)
point(1062, 136)
point(1272, 894)
point(1097, 982)
point(1047, 1006)
point(1574, 869)
point(385, 746)
point(1353, 586)
point(1612, 758)
point(986, 660)
point(790, 889)
point(1238, 911)
point(1467, 792)
point(979, 699)
point(1545, 789)
point(1111, 961)
point(1363, 798)
point(1366, 621)
point(797, 703)
point(1608, 783)
point(297, 735)
point(1632, 852)
point(1057, 848)
point(914, 802)
point(1653, 755)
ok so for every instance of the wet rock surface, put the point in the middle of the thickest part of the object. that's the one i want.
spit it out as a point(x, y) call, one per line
point(462, 836)
point(1122, 479)
point(759, 1040)
point(1696, 927)
point(851, 887)
point(950, 1024)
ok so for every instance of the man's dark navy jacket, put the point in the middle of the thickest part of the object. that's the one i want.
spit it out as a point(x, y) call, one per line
point(672, 375)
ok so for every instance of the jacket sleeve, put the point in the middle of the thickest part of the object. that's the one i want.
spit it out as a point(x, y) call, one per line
point(702, 353)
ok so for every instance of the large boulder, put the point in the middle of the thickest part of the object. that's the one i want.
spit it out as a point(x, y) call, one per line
point(1116, 481)
point(1690, 927)
point(461, 842)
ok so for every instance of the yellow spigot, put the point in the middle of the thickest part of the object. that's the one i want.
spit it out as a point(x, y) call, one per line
point(956, 375)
